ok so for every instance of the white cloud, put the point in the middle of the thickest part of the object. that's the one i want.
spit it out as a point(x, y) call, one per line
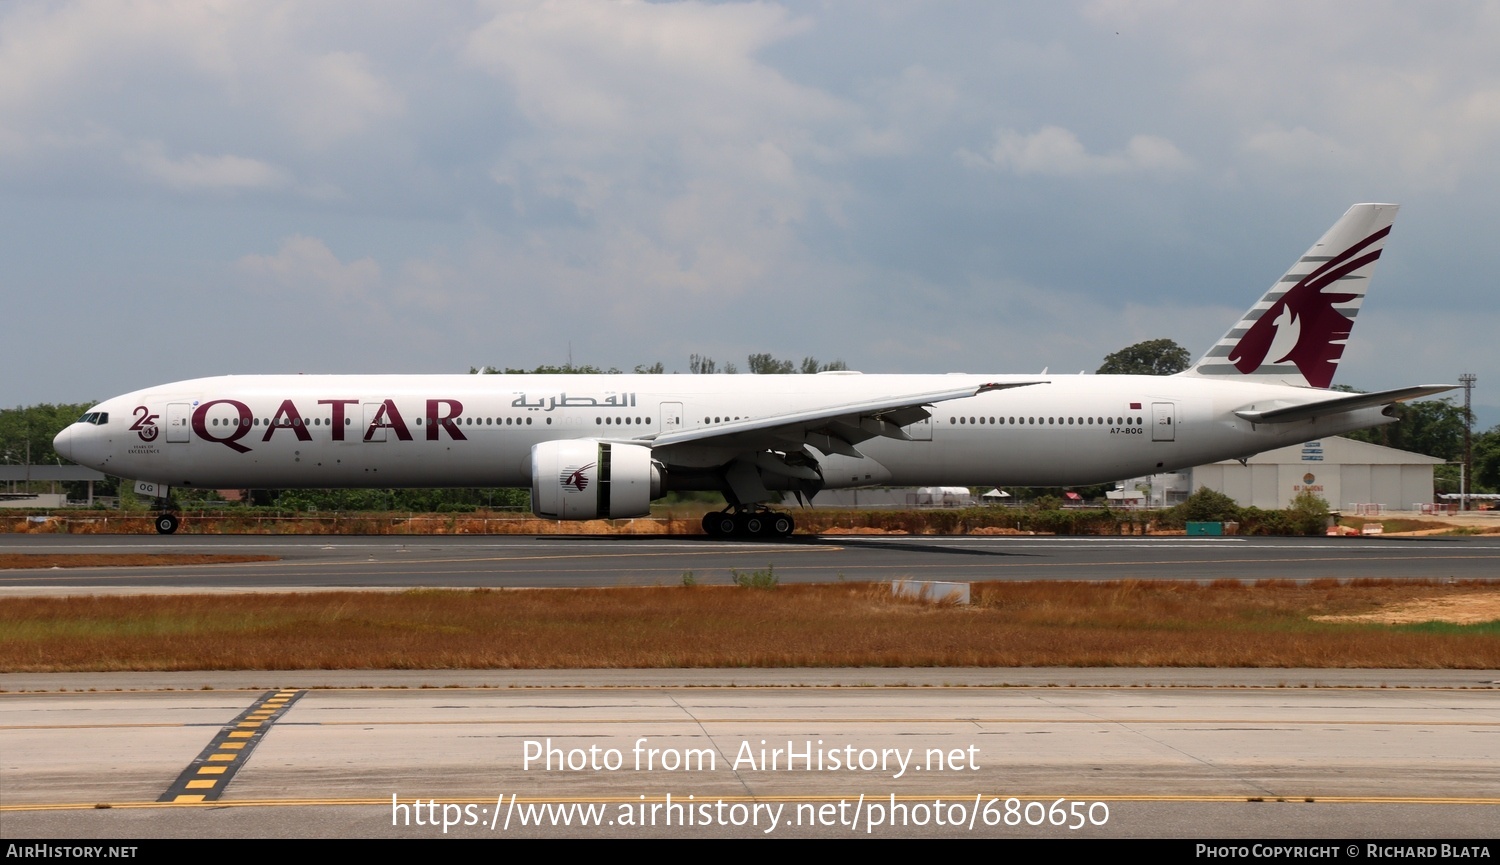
point(335, 96)
point(1407, 92)
point(306, 265)
point(1055, 151)
point(639, 67)
point(87, 80)
point(665, 178)
point(196, 172)
point(689, 162)
point(1300, 147)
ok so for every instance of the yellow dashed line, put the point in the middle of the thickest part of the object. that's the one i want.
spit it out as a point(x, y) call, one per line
point(223, 757)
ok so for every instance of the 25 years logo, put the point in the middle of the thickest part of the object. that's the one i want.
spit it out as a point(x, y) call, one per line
point(145, 424)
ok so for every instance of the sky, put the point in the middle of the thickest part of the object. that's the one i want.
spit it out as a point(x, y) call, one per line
point(198, 188)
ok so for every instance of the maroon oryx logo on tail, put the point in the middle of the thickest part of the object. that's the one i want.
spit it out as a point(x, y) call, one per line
point(1303, 326)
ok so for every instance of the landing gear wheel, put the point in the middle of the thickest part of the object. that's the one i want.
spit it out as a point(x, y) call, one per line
point(782, 526)
point(166, 524)
point(754, 524)
point(720, 525)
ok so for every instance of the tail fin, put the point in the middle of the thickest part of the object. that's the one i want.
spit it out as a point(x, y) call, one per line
point(1296, 333)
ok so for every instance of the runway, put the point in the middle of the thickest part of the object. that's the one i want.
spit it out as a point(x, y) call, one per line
point(554, 561)
point(1276, 754)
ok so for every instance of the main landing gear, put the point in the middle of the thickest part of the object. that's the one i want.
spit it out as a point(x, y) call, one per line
point(749, 524)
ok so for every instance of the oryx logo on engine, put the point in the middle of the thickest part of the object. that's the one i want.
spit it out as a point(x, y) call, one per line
point(574, 479)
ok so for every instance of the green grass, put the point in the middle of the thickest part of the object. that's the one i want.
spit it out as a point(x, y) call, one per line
point(765, 579)
point(1491, 628)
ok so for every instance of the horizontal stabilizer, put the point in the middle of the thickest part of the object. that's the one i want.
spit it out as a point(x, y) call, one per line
point(1340, 404)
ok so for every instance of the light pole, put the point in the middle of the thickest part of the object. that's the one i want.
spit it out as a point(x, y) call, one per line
point(1467, 381)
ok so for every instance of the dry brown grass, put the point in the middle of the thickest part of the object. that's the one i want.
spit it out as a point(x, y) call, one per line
point(1010, 624)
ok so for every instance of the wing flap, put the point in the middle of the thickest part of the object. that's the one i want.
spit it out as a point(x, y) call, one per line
point(838, 426)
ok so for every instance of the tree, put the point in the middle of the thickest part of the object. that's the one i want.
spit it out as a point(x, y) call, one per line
point(1308, 514)
point(1209, 506)
point(1152, 357)
point(1487, 461)
point(34, 427)
point(1434, 427)
point(765, 364)
point(28, 431)
point(549, 369)
point(811, 366)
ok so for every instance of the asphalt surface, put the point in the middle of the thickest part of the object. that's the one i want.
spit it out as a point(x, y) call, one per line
point(555, 561)
point(1267, 754)
point(831, 753)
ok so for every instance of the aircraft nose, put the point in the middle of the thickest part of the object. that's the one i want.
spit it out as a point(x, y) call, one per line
point(63, 442)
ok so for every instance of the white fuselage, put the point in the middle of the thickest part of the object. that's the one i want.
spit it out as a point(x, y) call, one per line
point(478, 430)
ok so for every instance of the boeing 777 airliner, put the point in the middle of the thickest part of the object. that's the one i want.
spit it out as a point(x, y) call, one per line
point(605, 446)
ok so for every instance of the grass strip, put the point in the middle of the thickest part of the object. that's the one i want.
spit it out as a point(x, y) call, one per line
point(1123, 624)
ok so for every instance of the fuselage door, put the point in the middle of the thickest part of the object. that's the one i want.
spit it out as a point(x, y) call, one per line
point(179, 421)
point(671, 417)
point(1163, 422)
point(374, 426)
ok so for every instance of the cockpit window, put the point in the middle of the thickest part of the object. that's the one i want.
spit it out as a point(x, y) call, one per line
point(97, 418)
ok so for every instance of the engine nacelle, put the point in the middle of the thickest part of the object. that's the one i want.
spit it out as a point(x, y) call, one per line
point(581, 479)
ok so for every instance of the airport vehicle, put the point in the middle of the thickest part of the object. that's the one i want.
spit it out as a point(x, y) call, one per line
point(605, 446)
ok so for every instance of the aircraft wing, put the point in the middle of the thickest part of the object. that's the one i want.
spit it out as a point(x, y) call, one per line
point(1340, 404)
point(835, 428)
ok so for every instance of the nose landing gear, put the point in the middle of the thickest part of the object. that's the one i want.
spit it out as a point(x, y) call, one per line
point(758, 523)
point(166, 523)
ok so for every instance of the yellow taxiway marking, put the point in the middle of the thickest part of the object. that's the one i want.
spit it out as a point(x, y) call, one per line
point(223, 758)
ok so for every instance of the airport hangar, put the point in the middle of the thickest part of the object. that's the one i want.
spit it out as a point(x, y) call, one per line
point(1348, 474)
